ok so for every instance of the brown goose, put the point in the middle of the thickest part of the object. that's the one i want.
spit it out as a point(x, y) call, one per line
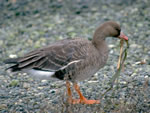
point(70, 59)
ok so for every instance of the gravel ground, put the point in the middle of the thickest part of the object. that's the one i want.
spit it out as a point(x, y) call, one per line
point(36, 23)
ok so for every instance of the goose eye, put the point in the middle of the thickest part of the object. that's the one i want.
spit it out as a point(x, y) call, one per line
point(119, 30)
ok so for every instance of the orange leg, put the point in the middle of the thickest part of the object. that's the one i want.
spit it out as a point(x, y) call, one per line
point(82, 98)
point(70, 99)
point(69, 91)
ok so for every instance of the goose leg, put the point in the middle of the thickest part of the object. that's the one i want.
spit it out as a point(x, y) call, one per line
point(82, 98)
point(70, 99)
point(69, 91)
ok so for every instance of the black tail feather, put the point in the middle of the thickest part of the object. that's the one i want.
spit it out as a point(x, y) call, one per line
point(11, 61)
point(14, 68)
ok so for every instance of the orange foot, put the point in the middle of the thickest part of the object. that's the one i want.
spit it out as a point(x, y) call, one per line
point(83, 101)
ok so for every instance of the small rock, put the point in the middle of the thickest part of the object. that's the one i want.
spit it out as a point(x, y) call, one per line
point(14, 83)
point(26, 85)
point(92, 81)
point(135, 46)
point(52, 91)
point(123, 82)
point(40, 88)
point(13, 56)
point(3, 106)
point(44, 81)
point(111, 46)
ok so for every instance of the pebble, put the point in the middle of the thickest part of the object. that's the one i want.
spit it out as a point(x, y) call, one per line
point(13, 56)
point(111, 46)
point(26, 85)
point(44, 81)
point(135, 46)
point(40, 88)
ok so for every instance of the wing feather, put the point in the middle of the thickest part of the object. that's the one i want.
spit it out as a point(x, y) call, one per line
point(54, 57)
